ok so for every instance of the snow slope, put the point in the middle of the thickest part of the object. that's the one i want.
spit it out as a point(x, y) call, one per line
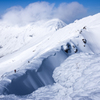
point(71, 54)
point(13, 37)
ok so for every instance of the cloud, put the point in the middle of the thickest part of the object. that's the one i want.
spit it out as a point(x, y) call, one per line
point(67, 12)
point(70, 12)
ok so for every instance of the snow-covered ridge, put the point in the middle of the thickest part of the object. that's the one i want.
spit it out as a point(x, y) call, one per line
point(12, 38)
point(77, 37)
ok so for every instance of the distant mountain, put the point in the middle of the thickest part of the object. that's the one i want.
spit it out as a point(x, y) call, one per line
point(54, 24)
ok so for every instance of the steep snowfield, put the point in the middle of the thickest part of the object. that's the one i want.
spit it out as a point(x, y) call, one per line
point(70, 55)
point(12, 38)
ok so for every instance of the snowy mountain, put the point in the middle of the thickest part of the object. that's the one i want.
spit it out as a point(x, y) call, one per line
point(50, 60)
point(12, 38)
point(54, 24)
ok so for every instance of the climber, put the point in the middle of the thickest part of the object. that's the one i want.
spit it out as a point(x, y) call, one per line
point(15, 70)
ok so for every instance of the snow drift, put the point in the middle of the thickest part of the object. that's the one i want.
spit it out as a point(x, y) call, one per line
point(32, 79)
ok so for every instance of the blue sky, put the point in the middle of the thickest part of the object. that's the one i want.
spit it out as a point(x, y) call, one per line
point(93, 6)
point(67, 12)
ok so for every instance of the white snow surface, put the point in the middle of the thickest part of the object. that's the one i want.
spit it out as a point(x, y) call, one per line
point(25, 47)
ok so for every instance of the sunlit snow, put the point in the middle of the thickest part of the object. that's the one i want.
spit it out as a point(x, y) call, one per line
point(50, 60)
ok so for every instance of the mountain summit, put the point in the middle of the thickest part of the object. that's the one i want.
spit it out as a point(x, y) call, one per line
point(54, 24)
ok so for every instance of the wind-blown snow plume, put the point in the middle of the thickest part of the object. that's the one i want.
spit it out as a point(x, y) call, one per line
point(44, 10)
